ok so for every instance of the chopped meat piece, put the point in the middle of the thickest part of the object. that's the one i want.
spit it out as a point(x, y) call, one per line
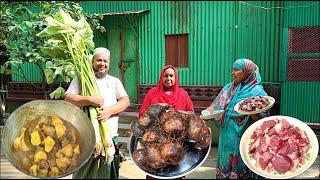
point(281, 164)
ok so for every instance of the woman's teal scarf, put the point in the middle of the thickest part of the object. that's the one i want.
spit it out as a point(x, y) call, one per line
point(232, 94)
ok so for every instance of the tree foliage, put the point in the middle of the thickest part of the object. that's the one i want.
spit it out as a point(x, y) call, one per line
point(21, 21)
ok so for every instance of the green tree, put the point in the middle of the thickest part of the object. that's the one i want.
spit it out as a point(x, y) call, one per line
point(20, 22)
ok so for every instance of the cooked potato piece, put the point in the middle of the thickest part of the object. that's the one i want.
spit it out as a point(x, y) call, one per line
point(33, 170)
point(40, 155)
point(76, 150)
point(68, 150)
point(60, 130)
point(48, 144)
point(54, 171)
point(43, 172)
point(63, 163)
point(24, 147)
point(59, 154)
point(35, 138)
point(55, 120)
point(17, 144)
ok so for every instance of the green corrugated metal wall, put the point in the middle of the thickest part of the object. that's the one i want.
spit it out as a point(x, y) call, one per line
point(301, 13)
point(299, 99)
point(31, 71)
point(258, 36)
point(219, 32)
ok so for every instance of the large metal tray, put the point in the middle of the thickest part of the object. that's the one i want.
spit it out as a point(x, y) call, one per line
point(193, 159)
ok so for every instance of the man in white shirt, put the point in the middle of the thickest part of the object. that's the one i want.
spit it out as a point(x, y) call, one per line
point(113, 99)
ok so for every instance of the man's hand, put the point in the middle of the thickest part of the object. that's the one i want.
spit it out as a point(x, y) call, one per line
point(96, 101)
point(82, 101)
point(104, 114)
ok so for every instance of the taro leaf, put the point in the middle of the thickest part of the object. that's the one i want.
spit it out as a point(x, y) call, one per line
point(50, 75)
point(69, 72)
point(58, 93)
point(53, 52)
point(67, 19)
point(55, 42)
point(54, 22)
point(78, 36)
point(59, 71)
point(53, 30)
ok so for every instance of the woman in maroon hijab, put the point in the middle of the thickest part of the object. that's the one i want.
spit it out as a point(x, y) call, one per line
point(168, 92)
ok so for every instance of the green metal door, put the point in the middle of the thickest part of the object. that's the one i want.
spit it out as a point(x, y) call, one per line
point(122, 43)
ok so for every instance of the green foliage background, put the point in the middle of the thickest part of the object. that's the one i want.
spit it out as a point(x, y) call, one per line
point(19, 24)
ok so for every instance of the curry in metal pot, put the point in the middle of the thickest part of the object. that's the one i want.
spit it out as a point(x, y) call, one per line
point(47, 146)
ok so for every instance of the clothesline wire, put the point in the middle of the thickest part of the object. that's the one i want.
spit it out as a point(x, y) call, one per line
point(268, 8)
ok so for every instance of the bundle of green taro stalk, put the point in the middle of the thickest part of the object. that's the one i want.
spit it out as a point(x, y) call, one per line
point(69, 42)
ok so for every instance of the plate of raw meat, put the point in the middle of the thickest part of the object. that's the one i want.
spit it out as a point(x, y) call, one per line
point(254, 105)
point(279, 147)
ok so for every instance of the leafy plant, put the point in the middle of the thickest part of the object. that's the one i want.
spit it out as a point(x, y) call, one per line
point(69, 43)
point(20, 22)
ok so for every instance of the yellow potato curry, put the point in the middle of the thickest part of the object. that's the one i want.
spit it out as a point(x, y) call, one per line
point(47, 146)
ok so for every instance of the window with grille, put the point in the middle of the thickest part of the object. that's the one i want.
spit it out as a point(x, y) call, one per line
point(177, 50)
point(304, 54)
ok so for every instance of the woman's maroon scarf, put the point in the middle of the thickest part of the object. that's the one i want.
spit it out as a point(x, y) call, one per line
point(178, 99)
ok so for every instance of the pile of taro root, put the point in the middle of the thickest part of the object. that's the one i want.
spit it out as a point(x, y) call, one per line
point(279, 146)
point(254, 103)
point(165, 137)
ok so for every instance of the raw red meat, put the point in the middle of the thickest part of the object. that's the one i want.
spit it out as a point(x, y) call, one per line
point(254, 103)
point(277, 145)
point(281, 164)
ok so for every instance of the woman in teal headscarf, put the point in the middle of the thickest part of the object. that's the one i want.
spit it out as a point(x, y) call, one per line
point(246, 83)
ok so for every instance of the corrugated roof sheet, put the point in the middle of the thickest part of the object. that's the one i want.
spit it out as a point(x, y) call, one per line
point(126, 12)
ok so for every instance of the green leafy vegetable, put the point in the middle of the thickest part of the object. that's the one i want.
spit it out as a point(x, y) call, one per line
point(69, 42)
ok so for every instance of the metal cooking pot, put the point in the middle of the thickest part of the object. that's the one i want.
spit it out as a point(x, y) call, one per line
point(64, 110)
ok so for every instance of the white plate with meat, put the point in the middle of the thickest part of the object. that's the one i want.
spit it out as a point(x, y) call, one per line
point(254, 105)
point(279, 147)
